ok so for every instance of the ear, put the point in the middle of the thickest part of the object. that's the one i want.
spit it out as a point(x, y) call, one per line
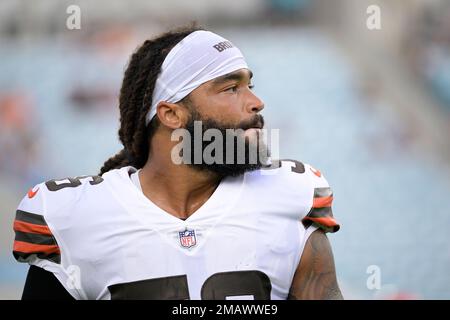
point(172, 115)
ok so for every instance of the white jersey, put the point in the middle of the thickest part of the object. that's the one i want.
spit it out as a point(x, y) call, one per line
point(104, 239)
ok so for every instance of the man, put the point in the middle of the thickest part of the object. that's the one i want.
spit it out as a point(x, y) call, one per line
point(150, 228)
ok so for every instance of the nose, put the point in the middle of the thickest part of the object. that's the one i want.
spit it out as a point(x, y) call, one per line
point(254, 103)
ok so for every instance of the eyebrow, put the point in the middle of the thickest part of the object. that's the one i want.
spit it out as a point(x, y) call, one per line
point(237, 75)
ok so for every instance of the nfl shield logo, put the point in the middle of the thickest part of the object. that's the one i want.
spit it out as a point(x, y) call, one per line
point(187, 238)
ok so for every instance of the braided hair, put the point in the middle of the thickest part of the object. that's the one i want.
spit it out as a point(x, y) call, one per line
point(136, 99)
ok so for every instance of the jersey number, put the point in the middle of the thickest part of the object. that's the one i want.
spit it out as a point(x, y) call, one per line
point(297, 168)
point(55, 185)
point(219, 286)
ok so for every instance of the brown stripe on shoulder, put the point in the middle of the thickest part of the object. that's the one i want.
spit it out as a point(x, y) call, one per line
point(320, 212)
point(323, 192)
point(35, 238)
point(30, 217)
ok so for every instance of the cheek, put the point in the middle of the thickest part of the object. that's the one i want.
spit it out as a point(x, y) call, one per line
point(222, 107)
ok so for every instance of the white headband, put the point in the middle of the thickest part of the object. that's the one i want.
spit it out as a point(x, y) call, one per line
point(198, 58)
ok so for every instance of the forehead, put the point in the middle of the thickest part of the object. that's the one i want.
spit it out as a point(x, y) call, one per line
point(239, 75)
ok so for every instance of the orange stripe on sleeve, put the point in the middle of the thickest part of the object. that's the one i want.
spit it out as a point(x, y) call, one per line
point(26, 247)
point(326, 221)
point(31, 228)
point(322, 202)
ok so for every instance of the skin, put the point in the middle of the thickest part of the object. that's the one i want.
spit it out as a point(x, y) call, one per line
point(180, 189)
point(315, 277)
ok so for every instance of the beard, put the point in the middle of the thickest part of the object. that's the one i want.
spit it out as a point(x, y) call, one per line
point(240, 153)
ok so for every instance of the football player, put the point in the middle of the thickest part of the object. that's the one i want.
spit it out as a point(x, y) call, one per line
point(149, 228)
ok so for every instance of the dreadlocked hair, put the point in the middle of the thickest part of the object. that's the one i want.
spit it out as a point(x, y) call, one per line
point(136, 99)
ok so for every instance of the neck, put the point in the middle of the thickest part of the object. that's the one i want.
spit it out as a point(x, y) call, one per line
point(177, 189)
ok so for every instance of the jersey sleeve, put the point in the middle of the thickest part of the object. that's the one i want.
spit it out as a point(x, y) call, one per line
point(33, 237)
point(35, 242)
point(321, 212)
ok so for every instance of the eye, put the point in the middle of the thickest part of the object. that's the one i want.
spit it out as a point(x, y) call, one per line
point(235, 88)
point(232, 89)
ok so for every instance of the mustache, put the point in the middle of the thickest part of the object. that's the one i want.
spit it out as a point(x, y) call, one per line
point(256, 121)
